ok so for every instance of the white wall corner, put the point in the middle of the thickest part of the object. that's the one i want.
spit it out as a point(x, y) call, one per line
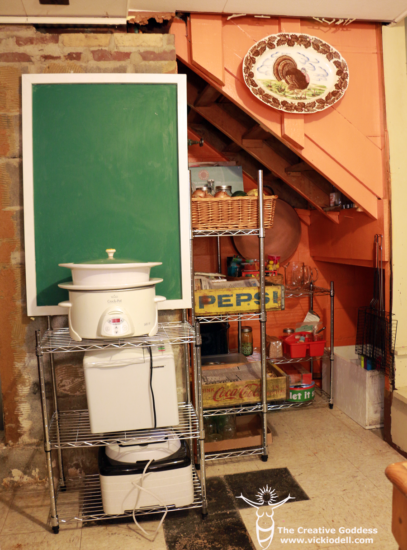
point(399, 418)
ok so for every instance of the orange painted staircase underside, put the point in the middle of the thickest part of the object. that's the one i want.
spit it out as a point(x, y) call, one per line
point(346, 142)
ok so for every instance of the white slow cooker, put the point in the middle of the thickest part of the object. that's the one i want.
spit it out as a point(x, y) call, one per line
point(119, 308)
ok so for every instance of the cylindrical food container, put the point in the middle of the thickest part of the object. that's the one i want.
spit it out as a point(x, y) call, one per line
point(301, 393)
point(110, 272)
point(247, 341)
point(226, 188)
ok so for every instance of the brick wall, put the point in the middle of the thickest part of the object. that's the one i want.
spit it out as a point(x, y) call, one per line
point(24, 50)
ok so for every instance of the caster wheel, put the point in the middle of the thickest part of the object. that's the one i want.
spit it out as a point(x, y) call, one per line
point(331, 406)
point(197, 467)
point(55, 529)
point(264, 458)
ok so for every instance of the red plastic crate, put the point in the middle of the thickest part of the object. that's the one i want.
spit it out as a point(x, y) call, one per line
point(317, 348)
point(295, 349)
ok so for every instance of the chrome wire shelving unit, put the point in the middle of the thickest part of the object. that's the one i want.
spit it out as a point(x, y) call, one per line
point(80, 500)
point(261, 316)
point(71, 429)
point(310, 292)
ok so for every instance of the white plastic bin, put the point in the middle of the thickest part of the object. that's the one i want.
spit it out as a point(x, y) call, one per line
point(359, 393)
point(118, 389)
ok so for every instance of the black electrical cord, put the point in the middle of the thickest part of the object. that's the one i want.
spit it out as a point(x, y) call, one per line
point(151, 386)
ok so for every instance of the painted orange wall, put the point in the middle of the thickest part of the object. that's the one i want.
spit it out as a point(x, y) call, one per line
point(353, 284)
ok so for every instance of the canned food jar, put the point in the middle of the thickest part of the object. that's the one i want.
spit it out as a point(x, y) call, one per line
point(247, 341)
point(226, 188)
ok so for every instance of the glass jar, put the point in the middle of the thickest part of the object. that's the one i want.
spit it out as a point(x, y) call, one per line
point(211, 430)
point(211, 186)
point(226, 188)
point(228, 427)
point(247, 341)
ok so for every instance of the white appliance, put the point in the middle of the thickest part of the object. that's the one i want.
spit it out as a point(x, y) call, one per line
point(168, 478)
point(118, 388)
point(112, 312)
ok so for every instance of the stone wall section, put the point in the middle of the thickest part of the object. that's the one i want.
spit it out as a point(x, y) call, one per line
point(25, 50)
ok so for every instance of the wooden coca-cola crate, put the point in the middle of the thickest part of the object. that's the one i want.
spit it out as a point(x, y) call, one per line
point(234, 385)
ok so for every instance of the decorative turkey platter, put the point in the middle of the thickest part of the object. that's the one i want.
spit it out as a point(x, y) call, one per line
point(295, 73)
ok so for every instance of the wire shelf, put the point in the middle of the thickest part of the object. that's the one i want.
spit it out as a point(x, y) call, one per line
point(321, 399)
point(82, 501)
point(306, 292)
point(289, 360)
point(59, 340)
point(229, 318)
point(224, 232)
point(221, 455)
point(237, 409)
point(74, 430)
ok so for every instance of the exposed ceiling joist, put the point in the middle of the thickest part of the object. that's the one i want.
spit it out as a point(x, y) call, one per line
point(345, 10)
point(299, 167)
point(255, 136)
point(250, 166)
point(218, 116)
point(208, 96)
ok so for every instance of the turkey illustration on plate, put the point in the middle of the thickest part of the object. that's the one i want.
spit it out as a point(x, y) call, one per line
point(295, 73)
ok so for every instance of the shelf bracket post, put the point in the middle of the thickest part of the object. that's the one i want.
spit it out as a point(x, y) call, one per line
point(47, 443)
point(263, 320)
point(332, 354)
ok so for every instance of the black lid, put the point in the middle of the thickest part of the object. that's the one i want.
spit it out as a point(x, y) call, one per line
point(110, 467)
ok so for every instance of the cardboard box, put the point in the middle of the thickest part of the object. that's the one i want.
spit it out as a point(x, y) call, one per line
point(248, 434)
point(225, 387)
point(237, 300)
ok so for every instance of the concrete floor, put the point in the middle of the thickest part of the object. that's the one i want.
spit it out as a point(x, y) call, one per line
point(337, 463)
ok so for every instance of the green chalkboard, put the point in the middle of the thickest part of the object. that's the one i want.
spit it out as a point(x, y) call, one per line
point(105, 173)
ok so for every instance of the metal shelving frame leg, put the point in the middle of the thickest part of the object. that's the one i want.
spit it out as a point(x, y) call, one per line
point(311, 306)
point(47, 445)
point(200, 448)
point(263, 320)
point(199, 406)
point(194, 349)
point(62, 484)
point(332, 355)
point(187, 379)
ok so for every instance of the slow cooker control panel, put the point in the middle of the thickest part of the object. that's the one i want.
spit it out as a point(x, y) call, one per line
point(115, 323)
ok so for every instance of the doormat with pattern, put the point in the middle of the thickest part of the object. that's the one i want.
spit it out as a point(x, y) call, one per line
point(223, 528)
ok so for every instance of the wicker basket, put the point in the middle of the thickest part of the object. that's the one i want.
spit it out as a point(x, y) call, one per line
point(233, 213)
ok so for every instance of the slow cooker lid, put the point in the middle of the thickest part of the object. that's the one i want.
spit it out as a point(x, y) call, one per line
point(111, 261)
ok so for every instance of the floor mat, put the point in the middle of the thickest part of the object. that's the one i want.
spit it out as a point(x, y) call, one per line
point(260, 486)
point(223, 527)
